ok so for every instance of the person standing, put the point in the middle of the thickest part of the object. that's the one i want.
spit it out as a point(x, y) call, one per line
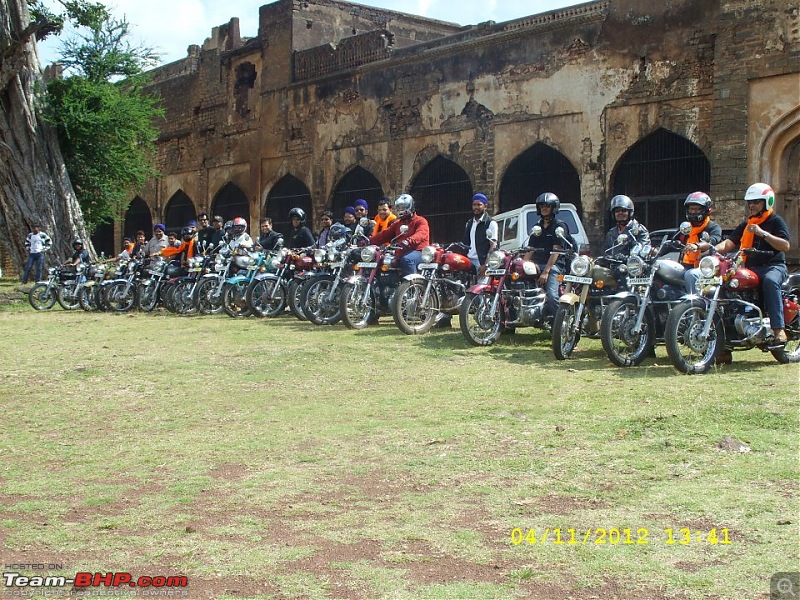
point(480, 233)
point(37, 243)
point(301, 236)
point(268, 238)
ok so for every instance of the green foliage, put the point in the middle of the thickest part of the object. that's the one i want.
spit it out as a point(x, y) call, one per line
point(80, 12)
point(105, 128)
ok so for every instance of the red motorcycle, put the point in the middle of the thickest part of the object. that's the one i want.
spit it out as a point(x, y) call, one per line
point(727, 314)
point(436, 291)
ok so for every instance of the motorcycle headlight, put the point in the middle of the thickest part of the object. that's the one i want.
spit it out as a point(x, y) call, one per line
point(319, 255)
point(495, 259)
point(709, 266)
point(388, 258)
point(368, 253)
point(428, 253)
point(332, 255)
point(635, 266)
point(580, 266)
point(275, 262)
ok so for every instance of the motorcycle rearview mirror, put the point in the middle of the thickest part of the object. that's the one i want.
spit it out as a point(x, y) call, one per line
point(561, 233)
point(363, 221)
point(621, 239)
point(634, 229)
point(403, 228)
point(704, 237)
point(686, 228)
point(536, 230)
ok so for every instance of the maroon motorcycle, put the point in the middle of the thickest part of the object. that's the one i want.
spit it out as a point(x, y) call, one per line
point(728, 314)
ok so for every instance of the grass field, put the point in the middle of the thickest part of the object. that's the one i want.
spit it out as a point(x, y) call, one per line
point(275, 459)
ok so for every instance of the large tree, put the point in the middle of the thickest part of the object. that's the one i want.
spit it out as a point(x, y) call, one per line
point(34, 185)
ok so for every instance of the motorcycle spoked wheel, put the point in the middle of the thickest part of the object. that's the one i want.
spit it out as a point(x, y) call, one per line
point(624, 347)
point(183, 297)
point(480, 328)
point(42, 297)
point(321, 309)
point(205, 298)
point(67, 296)
point(266, 298)
point(690, 353)
point(87, 298)
point(566, 331)
point(120, 296)
point(294, 298)
point(356, 314)
point(408, 312)
point(790, 353)
point(147, 296)
point(234, 299)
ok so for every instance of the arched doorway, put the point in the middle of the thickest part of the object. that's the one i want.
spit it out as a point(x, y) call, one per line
point(357, 183)
point(178, 211)
point(442, 193)
point(103, 240)
point(231, 202)
point(658, 172)
point(537, 170)
point(137, 217)
point(288, 193)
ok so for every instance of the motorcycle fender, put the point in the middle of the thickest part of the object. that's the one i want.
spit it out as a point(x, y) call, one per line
point(414, 277)
point(90, 284)
point(623, 296)
point(480, 288)
point(235, 280)
point(570, 298)
point(354, 279)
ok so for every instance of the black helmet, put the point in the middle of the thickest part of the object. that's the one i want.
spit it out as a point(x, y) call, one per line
point(547, 199)
point(700, 199)
point(187, 231)
point(621, 201)
point(228, 226)
point(337, 232)
point(77, 241)
point(299, 213)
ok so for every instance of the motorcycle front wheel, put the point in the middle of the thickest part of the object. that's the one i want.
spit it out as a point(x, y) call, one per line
point(87, 297)
point(68, 296)
point(408, 311)
point(355, 312)
point(205, 299)
point(234, 299)
point(182, 297)
point(42, 297)
point(566, 331)
point(294, 298)
point(146, 296)
point(321, 306)
point(624, 347)
point(266, 297)
point(120, 296)
point(689, 352)
point(478, 326)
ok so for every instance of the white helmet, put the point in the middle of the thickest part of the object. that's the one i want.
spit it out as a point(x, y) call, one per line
point(761, 191)
point(404, 206)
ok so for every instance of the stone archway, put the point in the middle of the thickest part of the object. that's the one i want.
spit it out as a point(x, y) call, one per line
point(357, 183)
point(178, 211)
point(231, 202)
point(442, 194)
point(287, 193)
point(137, 217)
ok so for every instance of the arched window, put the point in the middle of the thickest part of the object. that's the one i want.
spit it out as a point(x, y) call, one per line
point(537, 170)
point(443, 194)
point(137, 217)
point(288, 193)
point(658, 172)
point(178, 211)
point(358, 183)
point(230, 202)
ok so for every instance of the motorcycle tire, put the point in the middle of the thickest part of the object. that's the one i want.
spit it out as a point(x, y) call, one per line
point(623, 347)
point(42, 297)
point(566, 331)
point(147, 296)
point(410, 316)
point(87, 298)
point(356, 314)
point(266, 298)
point(320, 309)
point(480, 328)
point(67, 296)
point(294, 299)
point(205, 298)
point(234, 300)
point(689, 353)
point(790, 353)
point(182, 297)
point(120, 296)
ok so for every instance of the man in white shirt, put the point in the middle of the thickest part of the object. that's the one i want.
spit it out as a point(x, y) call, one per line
point(480, 233)
point(37, 243)
point(158, 242)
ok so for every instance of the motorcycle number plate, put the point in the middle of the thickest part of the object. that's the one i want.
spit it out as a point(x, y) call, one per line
point(335, 265)
point(367, 265)
point(576, 279)
point(495, 271)
point(196, 269)
point(427, 266)
point(638, 281)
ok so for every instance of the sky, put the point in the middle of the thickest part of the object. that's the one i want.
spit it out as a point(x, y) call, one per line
point(171, 26)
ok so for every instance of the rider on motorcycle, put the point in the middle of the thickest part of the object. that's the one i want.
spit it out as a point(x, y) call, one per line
point(546, 247)
point(241, 239)
point(622, 214)
point(301, 236)
point(698, 211)
point(765, 231)
point(412, 241)
point(269, 239)
point(187, 248)
point(80, 254)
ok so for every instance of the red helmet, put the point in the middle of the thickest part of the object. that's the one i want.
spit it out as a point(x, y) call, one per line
point(239, 226)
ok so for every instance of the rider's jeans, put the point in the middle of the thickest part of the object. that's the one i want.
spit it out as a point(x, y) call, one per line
point(690, 277)
point(408, 262)
point(551, 289)
point(772, 276)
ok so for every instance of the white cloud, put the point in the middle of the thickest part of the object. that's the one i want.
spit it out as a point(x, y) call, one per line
point(171, 26)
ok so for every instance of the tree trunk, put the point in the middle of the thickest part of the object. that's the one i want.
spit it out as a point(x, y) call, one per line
point(34, 185)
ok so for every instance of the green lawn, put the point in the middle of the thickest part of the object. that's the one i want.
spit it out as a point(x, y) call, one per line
point(276, 459)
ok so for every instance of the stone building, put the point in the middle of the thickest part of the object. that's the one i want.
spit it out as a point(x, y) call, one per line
point(333, 101)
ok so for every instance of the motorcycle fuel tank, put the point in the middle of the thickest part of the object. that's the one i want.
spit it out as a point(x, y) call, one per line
point(605, 275)
point(745, 279)
point(456, 262)
point(671, 271)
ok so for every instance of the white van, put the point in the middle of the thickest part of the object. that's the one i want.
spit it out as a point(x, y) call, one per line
point(514, 226)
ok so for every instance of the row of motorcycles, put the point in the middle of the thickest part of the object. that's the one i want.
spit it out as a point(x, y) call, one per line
point(631, 298)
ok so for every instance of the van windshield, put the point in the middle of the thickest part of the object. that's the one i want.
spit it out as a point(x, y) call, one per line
point(565, 216)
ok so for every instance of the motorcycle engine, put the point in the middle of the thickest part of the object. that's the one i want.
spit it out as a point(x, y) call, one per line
point(752, 328)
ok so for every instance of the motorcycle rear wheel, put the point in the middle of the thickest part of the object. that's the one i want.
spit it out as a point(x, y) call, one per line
point(67, 296)
point(42, 297)
point(480, 328)
point(624, 347)
point(356, 314)
point(266, 298)
point(410, 316)
point(319, 309)
point(234, 300)
point(790, 353)
point(566, 332)
point(689, 353)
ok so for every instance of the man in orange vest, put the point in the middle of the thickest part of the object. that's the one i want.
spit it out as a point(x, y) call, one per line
point(698, 213)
